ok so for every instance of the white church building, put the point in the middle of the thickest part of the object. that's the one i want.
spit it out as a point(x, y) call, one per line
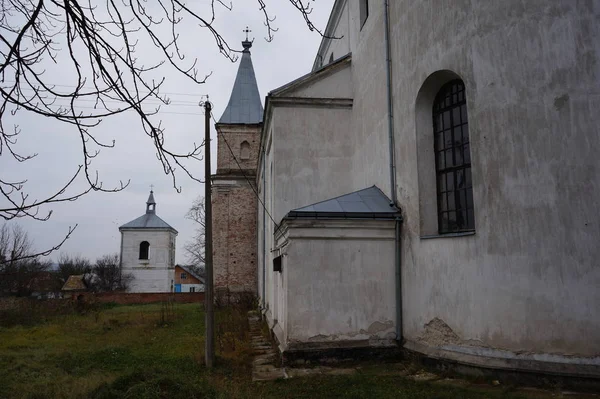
point(148, 251)
point(433, 184)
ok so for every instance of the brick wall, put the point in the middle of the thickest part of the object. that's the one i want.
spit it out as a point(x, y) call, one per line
point(235, 136)
point(124, 298)
point(234, 210)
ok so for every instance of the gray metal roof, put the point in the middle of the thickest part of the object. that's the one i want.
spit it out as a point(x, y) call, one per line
point(151, 198)
point(149, 220)
point(370, 203)
point(244, 104)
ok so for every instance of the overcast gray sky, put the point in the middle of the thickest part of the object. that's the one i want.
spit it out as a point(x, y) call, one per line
point(99, 215)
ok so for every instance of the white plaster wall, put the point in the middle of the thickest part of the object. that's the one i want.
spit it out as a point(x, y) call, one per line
point(156, 273)
point(339, 44)
point(187, 287)
point(335, 85)
point(528, 280)
point(310, 153)
point(340, 283)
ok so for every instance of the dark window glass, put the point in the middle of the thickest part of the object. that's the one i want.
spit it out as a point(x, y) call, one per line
point(453, 159)
point(144, 248)
point(364, 12)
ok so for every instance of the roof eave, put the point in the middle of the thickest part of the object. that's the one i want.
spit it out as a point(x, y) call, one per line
point(342, 215)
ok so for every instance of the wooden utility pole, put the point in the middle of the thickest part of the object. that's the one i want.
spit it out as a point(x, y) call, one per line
point(208, 255)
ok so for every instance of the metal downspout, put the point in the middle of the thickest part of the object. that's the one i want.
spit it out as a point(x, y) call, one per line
point(398, 227)
point(264, 228)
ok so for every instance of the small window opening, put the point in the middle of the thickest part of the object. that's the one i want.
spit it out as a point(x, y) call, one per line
point(331, 58)
point(144, 249)
point(277, 266)
point(245, 150)
point(192, 289)
point(184, 276)
point(364, 12)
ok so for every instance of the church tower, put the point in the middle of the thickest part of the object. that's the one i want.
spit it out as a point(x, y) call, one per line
point(148, 251)
point(233, 196)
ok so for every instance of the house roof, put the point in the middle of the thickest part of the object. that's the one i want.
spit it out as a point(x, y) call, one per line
point(150, 220)
point(244, 105)
point(191, 272)
point(75, 283)
point(369, 203)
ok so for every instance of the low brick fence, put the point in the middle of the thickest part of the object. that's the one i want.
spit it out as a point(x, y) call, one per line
point(124, 298)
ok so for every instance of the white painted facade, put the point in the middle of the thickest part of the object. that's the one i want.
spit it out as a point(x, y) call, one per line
point(334, 276)
point(192, 287)
point(154, 272)
point(524, 286)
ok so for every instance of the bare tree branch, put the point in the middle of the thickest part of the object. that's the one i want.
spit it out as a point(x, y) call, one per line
point(195, 247)
point(97, 41)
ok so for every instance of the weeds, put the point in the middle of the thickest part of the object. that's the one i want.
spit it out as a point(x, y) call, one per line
point(167, 313)
point(30, 312)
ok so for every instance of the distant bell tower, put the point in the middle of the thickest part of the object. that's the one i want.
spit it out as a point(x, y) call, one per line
point(233, 200)
point(148, 251)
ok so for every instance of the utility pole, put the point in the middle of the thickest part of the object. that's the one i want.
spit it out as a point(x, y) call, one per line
point(208, 255)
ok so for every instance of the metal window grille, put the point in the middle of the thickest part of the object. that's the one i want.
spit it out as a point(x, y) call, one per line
point(453, 160)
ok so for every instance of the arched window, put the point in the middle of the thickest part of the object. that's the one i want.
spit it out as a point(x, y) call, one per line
point(144, 249)
point(245, 150)
point(453, 159)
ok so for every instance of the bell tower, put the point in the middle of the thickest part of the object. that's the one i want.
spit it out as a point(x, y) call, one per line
point(234, 200)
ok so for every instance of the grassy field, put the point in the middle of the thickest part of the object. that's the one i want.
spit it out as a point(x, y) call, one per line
point(156, 351)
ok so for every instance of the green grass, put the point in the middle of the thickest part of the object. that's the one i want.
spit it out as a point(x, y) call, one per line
point(134, 352)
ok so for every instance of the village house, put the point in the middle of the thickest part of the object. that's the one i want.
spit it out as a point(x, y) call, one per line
point(187, 280)
point(431, 184)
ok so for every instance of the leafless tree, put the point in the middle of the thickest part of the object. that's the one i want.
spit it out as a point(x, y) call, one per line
point(195, 247)
point(19, 263)
point(100, 39)
point(107, 276)
point(69, 265)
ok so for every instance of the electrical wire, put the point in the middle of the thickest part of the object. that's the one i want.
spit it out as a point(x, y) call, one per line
point(246, 177)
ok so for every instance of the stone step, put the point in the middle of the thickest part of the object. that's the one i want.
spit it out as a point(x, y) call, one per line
point(261, 347)
point(268, 375)
point(263, 351)
point(262, 362)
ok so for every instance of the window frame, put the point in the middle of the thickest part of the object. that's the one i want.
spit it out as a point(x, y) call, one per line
point(183, 276)
point(454, 184)
point(143, 250)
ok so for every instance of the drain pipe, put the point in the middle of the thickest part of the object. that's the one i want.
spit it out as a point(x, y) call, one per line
point(264, 228)
point(388, 70)
point(398, 222)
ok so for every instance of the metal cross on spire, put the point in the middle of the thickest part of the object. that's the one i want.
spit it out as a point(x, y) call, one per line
point(152, 187)
point(247, 30)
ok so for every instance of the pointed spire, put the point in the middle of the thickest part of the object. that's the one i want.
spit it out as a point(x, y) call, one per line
point(151, 204)
point(244, 105)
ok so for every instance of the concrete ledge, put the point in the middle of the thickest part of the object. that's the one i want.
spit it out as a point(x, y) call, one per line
point(518, 369)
